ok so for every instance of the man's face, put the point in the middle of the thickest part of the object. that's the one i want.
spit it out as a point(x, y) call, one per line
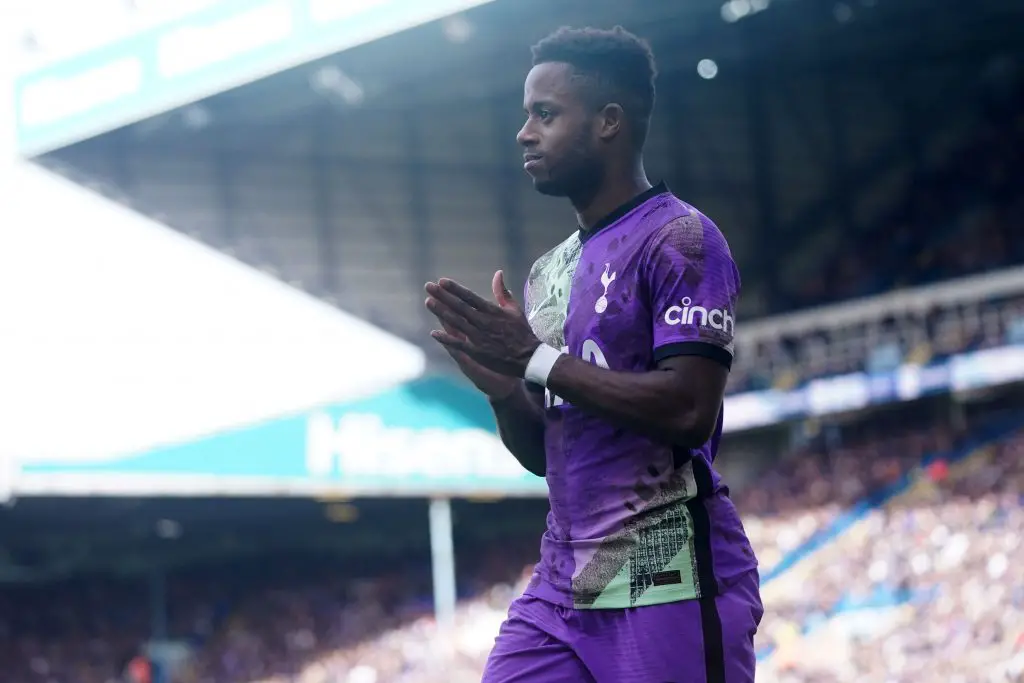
point(559, 137)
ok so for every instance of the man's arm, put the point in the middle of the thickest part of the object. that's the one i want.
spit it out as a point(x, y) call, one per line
point(676, 403)
point(520, 419)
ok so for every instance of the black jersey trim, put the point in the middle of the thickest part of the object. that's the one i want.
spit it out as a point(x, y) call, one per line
point(534, 387)
point(694, 348)
point(714, 641)
point(710, 619)
point(706, 583)
point(610, 219)
point(707, 586)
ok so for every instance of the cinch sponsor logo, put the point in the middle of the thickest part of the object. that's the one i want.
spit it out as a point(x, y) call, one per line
point(687, 314)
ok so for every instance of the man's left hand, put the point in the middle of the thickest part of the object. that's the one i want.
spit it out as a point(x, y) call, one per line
point(495, 334)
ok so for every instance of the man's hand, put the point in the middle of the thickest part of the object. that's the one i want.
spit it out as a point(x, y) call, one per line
point(497, 387)
point(494, 335)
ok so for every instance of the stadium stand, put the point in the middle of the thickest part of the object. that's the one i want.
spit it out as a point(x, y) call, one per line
point(934, 568)
point(972, 229)
point(876, 514)
point(890, 538)
point(957, 217)
point(916, 329)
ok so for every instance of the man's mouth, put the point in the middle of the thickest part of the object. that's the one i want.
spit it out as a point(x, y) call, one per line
point(531, 160)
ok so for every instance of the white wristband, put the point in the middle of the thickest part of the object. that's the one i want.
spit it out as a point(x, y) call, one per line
point(539, 367)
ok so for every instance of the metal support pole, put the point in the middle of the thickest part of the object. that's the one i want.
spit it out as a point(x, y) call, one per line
point(442, 553)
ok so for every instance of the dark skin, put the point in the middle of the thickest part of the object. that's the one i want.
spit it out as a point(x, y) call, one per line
point(518, 411)
point(586, 153)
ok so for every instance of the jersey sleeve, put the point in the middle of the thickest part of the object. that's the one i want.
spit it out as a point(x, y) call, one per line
point(693, 286)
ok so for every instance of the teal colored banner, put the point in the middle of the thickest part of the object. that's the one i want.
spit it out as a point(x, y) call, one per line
point(430, 437)
point(207, 52)
point(437, 437)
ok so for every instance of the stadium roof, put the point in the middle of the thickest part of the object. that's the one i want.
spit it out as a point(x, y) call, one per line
point(361, 175)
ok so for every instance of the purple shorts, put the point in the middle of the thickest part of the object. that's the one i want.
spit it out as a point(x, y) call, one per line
point(696, 641)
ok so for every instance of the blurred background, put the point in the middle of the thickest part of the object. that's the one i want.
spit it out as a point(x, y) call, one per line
point(230, 454)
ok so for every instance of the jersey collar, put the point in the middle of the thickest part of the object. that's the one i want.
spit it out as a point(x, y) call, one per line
point(614, 216)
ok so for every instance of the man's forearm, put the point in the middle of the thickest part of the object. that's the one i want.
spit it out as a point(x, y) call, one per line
point(520, 420)
point(650, 403)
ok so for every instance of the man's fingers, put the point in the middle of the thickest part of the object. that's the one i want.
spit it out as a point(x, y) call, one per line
point(450, 320)
point(500, 290)
point(460, 358)
point(452, 331)
point(466, 295)
point(455, 303)
point(453, 345)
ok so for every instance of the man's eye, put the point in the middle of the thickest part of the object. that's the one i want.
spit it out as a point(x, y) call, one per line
point(544, 115)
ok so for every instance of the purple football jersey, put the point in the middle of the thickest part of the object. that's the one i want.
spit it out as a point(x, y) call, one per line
point(634, 521)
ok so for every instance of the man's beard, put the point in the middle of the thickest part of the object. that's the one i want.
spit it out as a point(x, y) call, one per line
point(579, 172)
point(578, 176)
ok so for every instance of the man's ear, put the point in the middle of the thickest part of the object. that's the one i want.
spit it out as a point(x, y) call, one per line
point(611, 120)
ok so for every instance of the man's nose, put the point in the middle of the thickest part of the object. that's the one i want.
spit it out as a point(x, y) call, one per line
point(526, 137)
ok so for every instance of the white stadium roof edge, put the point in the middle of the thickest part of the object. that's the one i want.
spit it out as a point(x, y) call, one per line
point(119, 333)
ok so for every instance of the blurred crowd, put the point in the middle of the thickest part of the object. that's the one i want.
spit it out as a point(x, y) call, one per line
point(936, 572)
point(934, 567)
point(961, 217)
point(796, 500)
point(879, 345)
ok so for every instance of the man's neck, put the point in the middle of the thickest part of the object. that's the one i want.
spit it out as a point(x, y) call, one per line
point(613, 193)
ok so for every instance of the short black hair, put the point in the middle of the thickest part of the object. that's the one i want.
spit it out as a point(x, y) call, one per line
point(619, 64)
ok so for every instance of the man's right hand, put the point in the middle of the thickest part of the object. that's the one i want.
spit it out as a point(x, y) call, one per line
point(496, 386)
point(518, 412)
